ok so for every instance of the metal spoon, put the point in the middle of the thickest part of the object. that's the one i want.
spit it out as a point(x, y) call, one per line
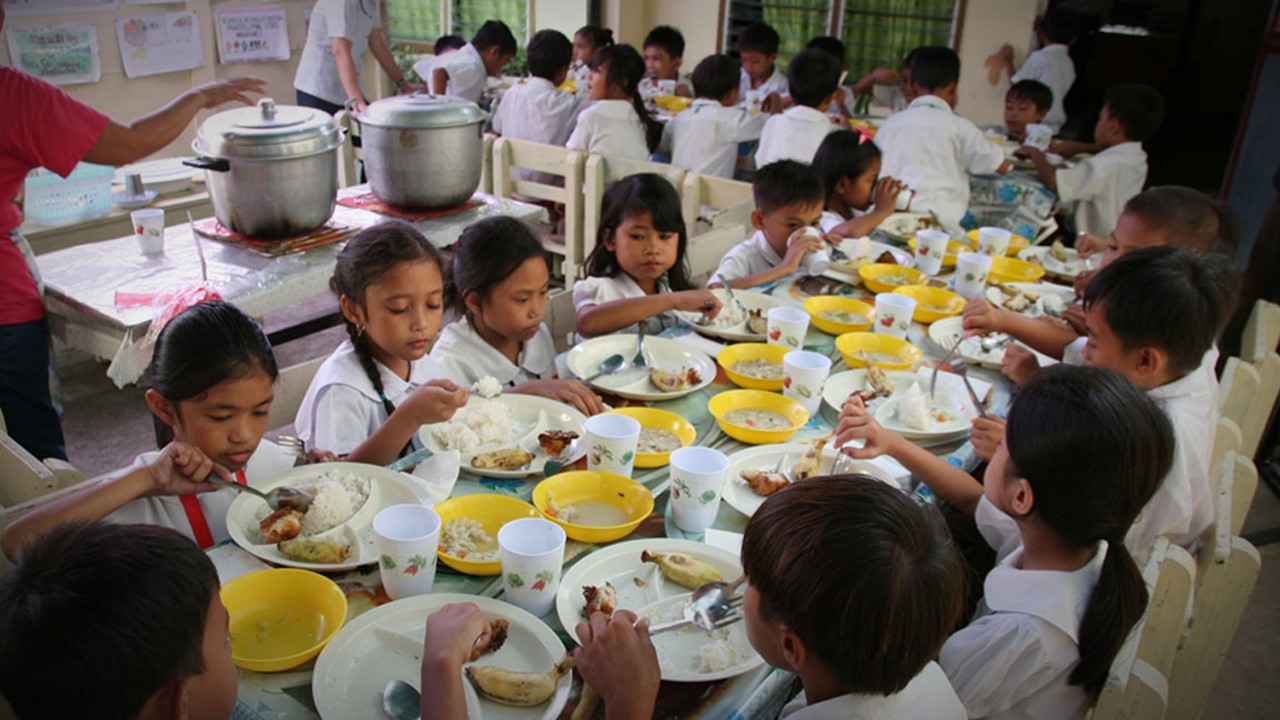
point(611, 365)
point(639, 360)
point(710, 607)
point(401, 701)
point(279, 497)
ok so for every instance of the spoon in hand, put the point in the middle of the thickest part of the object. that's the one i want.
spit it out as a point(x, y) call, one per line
point(281, 497)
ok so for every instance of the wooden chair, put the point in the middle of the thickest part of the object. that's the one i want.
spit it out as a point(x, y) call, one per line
point(291, 387)
point(1236, 390)
point(486, 165)
point(1263, 402)
point(24, 477)
point(561, 318)
point(1244, 483)
point(552, 160)
point(729, 201)
point(599, 172)
point(706, 250)
point(1261, 332)
point(348, 153)
point(1226, 437)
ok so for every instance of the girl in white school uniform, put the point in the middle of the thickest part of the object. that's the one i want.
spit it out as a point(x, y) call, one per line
point(616, 124)
point(210, 389)
point(638, 272)
point(1083, 451)
point(499, 287)
point(849, 163)
point(369, 398)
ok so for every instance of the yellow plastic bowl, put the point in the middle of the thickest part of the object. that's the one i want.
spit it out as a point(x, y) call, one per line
point(822, 303)
point(954, 248)
point(873, 275)
point(926, 296)
point(281, 618)
point(851, 343)
point(660, 420)
point(673, 103)
point(731, 400)
point(1017, 243)
point(491, 511)
point(630, 497)
point(1007, 269)
point(735, 354)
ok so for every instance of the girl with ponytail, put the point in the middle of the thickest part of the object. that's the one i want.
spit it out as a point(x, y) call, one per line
point(1084, 450)
point(616, 124)
point(371, 395)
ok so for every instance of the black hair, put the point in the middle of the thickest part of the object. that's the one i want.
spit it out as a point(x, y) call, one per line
point(829, 45)
point(812, 75)
point(716, 76)
point(118, 610)
point(449, 42)
point(874, 618)
point(786, 182)
point(1138, 108)
point(1167, 298)
point(934, 67)
point(364, 261)
point(1094, 448)
point(600, 37)
point(204, 345)
point(1060, 24)
point(494, 32)
point(1033, 91)
point(667, 38)
point(624, 67)
point(843, 154)
point(1192, 220)
point(487, 252)
point(549, 53)
point(631, 196)
point(758, 37)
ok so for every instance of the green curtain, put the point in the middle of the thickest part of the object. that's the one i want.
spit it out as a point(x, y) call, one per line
point(414, 20)
point(469, 15)
point(797, 22)
point(881, 32)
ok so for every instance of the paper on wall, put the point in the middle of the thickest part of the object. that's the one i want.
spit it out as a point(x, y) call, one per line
point(154, 44)
point(60, 54)
point(252, 34)
point(55, 7)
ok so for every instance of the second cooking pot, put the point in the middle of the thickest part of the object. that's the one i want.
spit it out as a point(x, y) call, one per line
point(423, 150)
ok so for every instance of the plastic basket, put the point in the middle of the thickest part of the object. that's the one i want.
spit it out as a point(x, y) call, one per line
point(84, 195)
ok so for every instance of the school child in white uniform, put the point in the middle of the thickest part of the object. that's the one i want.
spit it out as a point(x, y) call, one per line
point(663, 55)
point(534, 109)
point(1052, 63)
point(616, 124)
point(463, 73)
point(800, 129)
point(858, 199)
point(789, 197)
point(586, 42)
point(705, 137)
point(758, 49)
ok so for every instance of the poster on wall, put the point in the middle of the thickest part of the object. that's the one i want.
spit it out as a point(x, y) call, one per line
point(255, 34)
point(55, 7)
point(60, 54)
point(154, 44)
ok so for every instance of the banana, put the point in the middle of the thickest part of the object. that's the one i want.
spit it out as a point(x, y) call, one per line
point(515, 688)
point(310, 550)
point(683, 569)
point(504, 459)
point(1058, 251)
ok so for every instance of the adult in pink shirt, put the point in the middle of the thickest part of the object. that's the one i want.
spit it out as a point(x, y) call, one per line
point(45, 127)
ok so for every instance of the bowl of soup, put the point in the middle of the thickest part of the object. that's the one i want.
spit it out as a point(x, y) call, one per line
point(887, 277)
point(836, 315)
point(1008, 269)
point(932, 304)
point(757, 417)
point(881, 350)
point(755, 366)
point(593, 506)
point(282, 617)
point(661, 433)
point(469, 526)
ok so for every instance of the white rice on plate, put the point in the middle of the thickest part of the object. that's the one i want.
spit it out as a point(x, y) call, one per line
point(481, 423)
point(461, 538)
point(336, 496)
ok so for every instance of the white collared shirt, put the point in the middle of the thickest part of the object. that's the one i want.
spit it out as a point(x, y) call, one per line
point(612, 128)
point(536, 111)
point(795, 134)
point(830, 219)
point(466, 70)
point(1101, 185)
point(591, 291)
point(932, 150)
point(751, 256)
point(1014, 660)
point(317, 72)
point(847, 98)
point(775, 83)
point(466, 357)
point(928, 695)
point(1052, 66)
point(341, 409)
point(704, 138)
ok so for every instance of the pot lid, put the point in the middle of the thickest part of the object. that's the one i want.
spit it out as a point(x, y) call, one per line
point(422, 110)
point(267, 131)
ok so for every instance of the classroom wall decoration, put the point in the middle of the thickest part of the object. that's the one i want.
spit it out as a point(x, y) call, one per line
point(154, 44)
point(60, 54)
point(253, 34)
point(53, 7)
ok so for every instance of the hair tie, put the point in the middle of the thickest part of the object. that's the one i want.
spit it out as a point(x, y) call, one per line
point(863, 134)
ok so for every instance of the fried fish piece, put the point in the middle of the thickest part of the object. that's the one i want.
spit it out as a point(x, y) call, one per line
point(321, 552)
point(497, 635)
point(668, 381)
point(808, 465)
point(283, 524)
point(878, 382)
point(553, 442)
point(756, 321)
point(764, 482)
point(1017, 302)
point(887, 258)
point(504, 459)
point(600, 598)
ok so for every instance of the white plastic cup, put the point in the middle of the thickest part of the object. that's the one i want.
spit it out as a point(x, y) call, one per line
point(971, 274)
point(903, 201)
point(787, 327)
point(666, 87)
point(531, 551)
point(817, 261)
point(148, 227)
point(611, 443)
point(893, 314)
point(803, 375)
point(697, 484)
point(1038, 136)
point(408, 536)
point(753, 99)
point(994, 241)
point(931, 248)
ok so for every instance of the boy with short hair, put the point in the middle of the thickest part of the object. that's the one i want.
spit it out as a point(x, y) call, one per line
point(932, 149)
point(534, 109)
point(842, 106)
point(795, 134)
point(789, 197)
point(757, 47)
point(448, 43)
point(705, 137)
point(462, 73)
point(1102, 184)
point(663, 54)
point(1052, 63)
point(1025, 103)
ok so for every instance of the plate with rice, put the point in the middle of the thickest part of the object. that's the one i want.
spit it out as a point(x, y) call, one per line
point(505, 422)
point(733, 321)
point(687, 655)
point(915, 415)
point(336, 532)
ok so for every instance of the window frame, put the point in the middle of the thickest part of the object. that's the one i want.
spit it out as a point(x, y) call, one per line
point(835, 20)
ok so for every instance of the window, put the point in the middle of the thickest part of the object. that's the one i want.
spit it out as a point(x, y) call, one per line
point(469, 15)
point(418, 20)
point(425, 20)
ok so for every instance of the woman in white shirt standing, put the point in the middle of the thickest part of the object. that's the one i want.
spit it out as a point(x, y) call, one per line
point(329, 70)
point(616, 124)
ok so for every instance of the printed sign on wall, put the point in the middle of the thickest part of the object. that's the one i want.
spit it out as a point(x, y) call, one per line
point(252, 35)
point(60, 54)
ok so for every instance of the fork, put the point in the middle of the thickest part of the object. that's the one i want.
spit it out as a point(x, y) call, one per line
point(732, 295)
point(293, 444)
point(639, 360)
point(961, 368)
point(933, 379)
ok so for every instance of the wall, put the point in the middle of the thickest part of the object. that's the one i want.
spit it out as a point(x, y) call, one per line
point(987, 25)
point(563, 15)
point(698, 20)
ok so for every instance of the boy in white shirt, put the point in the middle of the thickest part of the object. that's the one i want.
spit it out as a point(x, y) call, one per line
point(1026, 102)
point(757, 47)
point(929, 147)
point(813, 77)
point(1052, 63)
point(1101, 185)
point(789, 197)
point(663, 54)
point(534, 109)
point(705, 137)
point(462, 73)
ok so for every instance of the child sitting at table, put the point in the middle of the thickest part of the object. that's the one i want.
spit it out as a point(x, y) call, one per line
point(757, 48)
point(588, 40)
point(796, 133)
point(852, 585)
point(705, 137)
point(849, 164)
point(498, 288)
point(789, 197)
point(638, 271)
point(534, 109)
point(1052, 63)
point(462, 73)
point(841, 108)
point(371, 395)
point(663, 54)
point(616, 124)
point(210, 379)
point(931, 148)
point(1100, 186)
point(1025, 103)
point(1083, 453)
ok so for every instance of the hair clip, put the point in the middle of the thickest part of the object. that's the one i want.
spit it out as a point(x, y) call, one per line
point(863, 134)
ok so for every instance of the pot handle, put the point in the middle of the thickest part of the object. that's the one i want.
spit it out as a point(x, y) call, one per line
point(210, 164)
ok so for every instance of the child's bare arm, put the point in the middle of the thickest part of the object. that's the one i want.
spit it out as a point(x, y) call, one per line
point(612, 316)
point(886, 199)
point(1046, 173)
point(436, 401)
point(981, 317)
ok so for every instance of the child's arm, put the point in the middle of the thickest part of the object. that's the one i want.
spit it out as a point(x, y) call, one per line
point(434, 402)
point(439, 81)
point(981, 317)
point(946, 481)
point(455, 635)
point(881, 74)
point(604, 318)
point(1070, 148)
point(1044, 171)
point(618, 661)
point(790, 263)
point(886, 200)
point(569, 392)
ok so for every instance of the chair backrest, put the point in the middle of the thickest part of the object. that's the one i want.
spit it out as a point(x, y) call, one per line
point(10, 513)
point(1264, 401)
point(720, 200)
point(1236, 389)
point(348, 153)
point(1226, 437)
point(551, 160)
point(291, 387)
point(561, 318)
point(601, 170)
point(486, 165)
point(1244, 484)
point(23, 477)
point(706, 250)
point(1261, 332)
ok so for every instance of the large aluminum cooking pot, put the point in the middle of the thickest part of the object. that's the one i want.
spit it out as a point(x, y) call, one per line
point(272, 171)
point(423, 150)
